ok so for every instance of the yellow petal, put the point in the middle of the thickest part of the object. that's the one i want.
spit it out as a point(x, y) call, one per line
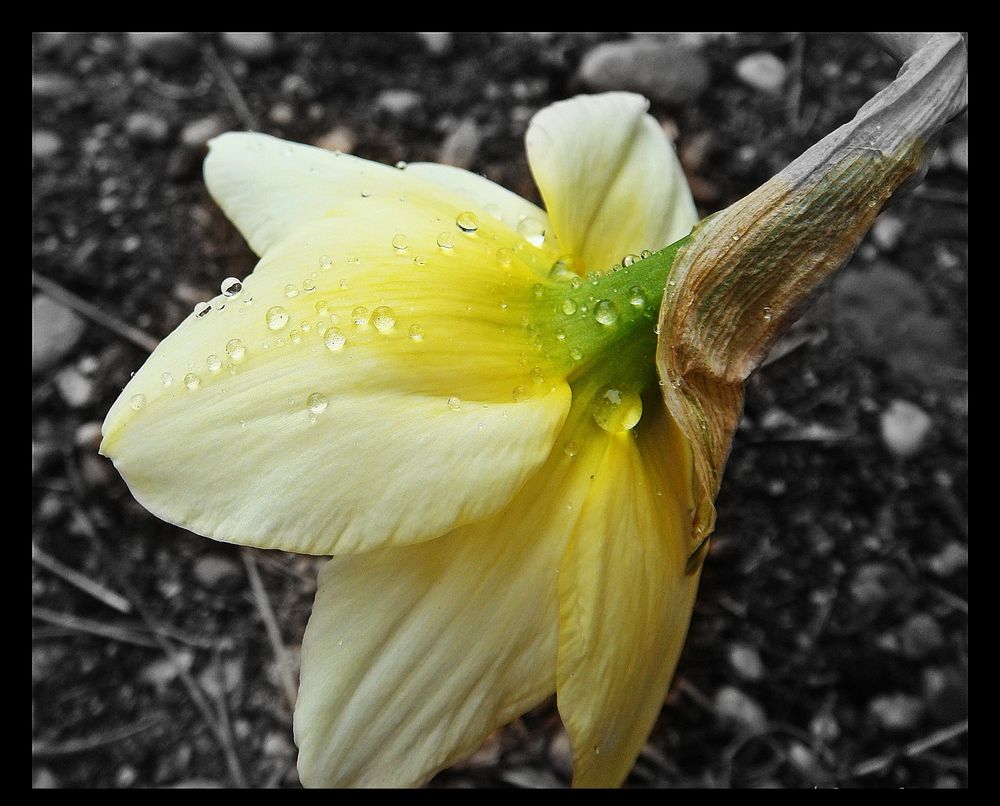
point(414, 655)
point(609, 177)
point(625, 599)
point(438, 406)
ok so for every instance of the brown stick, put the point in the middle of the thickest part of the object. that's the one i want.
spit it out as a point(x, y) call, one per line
point(81, 581)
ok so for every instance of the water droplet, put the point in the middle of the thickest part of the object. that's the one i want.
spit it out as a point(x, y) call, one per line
point(308, 285)
point(137, 402)
point(400, 242)
point(467, 221)
point(202, 309)
point(334, 339)
point(276, 317)
point(366, 194)
point(231, 287)
point(635, 297)
point(325, 262)
point(192, 381)
point(605, 312)
point(532, 230)
point(568, 307)
point(571, 449)
point(383, 319)
point(537, 375)
point(562, 273)
point(645, 254)
point(505, 256)
point(243, 423)
point(520, 393)
point(767, 314)
point(454, 403)
point(445, 240)
point(420, 260)
point(322, 307)
point(343, 283)
point(575, 354)
point(166, 379)
point(214, 363)
point(561, 335)
point(248, 301)
point(736, 236)
point(538, 290)
point(291, 291)
point(235, 349)
point(295, 337)
point(657, 329)
point(494, 210)
point(317, 402)
point(416, 333)
point(629, 260)
point(401, 165)
point(360, 317)
point(616, 409)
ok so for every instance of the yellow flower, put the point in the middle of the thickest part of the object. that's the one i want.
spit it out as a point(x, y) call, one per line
point(453, 392)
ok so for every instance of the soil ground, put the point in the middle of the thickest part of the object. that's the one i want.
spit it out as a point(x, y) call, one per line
point(829, 645)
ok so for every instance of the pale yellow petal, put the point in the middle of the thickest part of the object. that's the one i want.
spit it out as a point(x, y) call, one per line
point(414, 655)
point(438, 406)
point(625, 599)
point(609, 177)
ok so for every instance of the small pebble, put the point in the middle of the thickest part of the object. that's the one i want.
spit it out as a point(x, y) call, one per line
point(735, 707)
point(45, 145)
point(196, 134)
point(947, 694)
point(340, 138)
point(920, 636)
point(165, 48)
point(75, 388)
point(55, 332)
point(437, 43)
point(959, 153)
point(953, 557)
point(281, 114)
point(896, 712)
point(905, 428)
point(214, 570)
point(252, 46)
point(142, 127)
point(746, 662)
point(398, 102)
point(888, 231)
point(762, 71)
point(665, 69)
point(88, 435)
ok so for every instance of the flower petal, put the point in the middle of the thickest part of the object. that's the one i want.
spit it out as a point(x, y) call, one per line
point(414, 655)
point(434, 412)
point(624, 597)
point(609, 177)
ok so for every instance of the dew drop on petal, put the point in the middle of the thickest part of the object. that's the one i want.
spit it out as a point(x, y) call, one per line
point(214, 363)
point(317, 402)
point(575, 354)
point(420, 260)
point(467, 221)
point(291, 291)
point(401, 165)
point(645, 254)
point(537, 375)
point(192, 381)
point(532, 230)
point(520, 393)
point(308, 285)
point(635, 297)
point(416, 332)
point(538, 289)
point(505, 256)
point(445, 240)
point(383, 319)
point(629, 260)
point(617, 410)
point(167, 380)
point(202, 309)
point(343, 283)
point(276, 317)
point(322, 307)
point(571, 449)
point(454, 403)
point(325, 262)
point(568, 307)
point(360, 317)
point(333, 339)
point(235, 349)
point(366, 194)
point(137, 402)
point(400, 242)
point(295, 336)
point(231, 287)
point(605, 312)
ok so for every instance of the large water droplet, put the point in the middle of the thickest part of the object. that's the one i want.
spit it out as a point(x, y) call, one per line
point(360, 317)
point(532, 230)
point(568, 307)
point(295, 336)
point(308, 285)
point(317, 402)
point(235, 349)
point(400, 242)
point(137, 402)
point(571, 449)
point(231, 287)
point(322, 307)
point(192, 380)
point(401, 165)
point(202, 309)
point(445, 240)
point(416, 333)
point(334, 339)
point(291, 291)
point(520, 393)
point(167, 380)
point(645, 254)
point(383, 319)
point(605, 312)
point(325, 262)
point(635, 297)
point(276, 317)
point(617, 409)
point(214, 363)
point(454, 403)
point(629, 260)
point(467, 221)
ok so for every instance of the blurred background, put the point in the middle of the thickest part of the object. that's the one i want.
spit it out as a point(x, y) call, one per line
point(829, 645)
